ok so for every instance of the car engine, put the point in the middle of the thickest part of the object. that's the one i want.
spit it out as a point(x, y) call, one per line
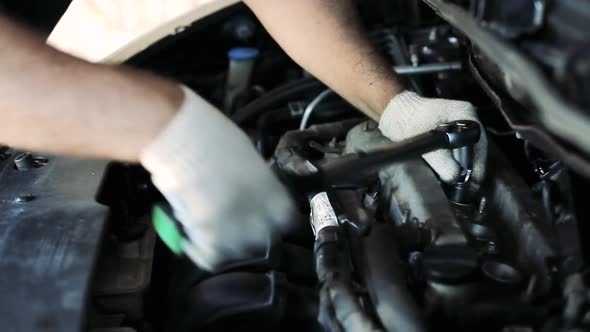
point(378, 242)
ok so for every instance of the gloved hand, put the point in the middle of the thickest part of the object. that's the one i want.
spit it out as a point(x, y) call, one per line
point(409, 114)
point(220, 189)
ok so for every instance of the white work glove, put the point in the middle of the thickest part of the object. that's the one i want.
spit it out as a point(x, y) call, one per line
point(221, 191)
point(409, 114)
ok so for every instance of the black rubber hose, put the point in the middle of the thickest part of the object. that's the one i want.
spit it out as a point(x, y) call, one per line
point(275, 98)
point(385, 278)
point(340, 309)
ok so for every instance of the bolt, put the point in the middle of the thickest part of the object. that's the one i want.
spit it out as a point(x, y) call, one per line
point(453, 40)
point(415, 258)
point(24, 198)
point(40, 161)
point(25, 162)
point(426, 50)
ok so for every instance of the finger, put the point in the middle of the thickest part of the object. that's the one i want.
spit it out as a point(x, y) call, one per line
point(444, 164)
point(194, 253)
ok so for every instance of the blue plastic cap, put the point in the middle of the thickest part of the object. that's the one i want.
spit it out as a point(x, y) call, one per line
point(243, 53)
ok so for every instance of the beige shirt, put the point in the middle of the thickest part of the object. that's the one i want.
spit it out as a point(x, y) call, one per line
point(111, 31)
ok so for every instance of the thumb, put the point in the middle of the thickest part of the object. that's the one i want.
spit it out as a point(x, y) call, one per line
point(444, 164)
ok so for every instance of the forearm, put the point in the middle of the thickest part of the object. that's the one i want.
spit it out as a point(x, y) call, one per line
point(326, 38)
point(55, 103)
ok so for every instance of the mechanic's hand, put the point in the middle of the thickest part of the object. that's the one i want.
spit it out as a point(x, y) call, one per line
point(409, 114)
point(222, 192)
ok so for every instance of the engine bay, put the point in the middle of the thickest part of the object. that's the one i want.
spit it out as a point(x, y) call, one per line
point(378, 242)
